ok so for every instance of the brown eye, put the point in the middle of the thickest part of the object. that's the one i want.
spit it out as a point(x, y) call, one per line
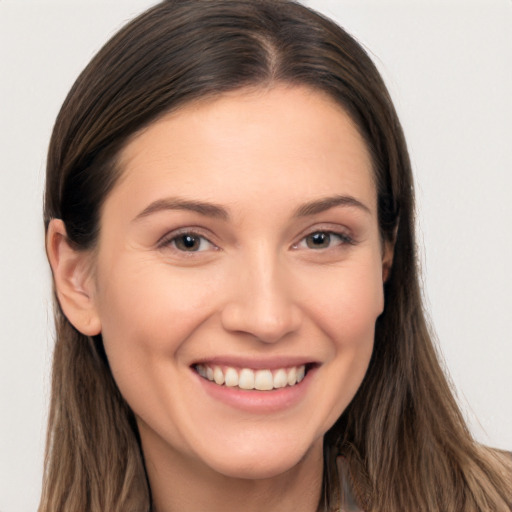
point(324, 240)
point(319, 240)
point(188, 242)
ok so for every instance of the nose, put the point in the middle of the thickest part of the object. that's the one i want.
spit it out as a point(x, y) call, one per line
point(262, 303)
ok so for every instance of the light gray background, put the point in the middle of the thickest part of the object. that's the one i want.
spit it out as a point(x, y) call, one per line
point(448, 65)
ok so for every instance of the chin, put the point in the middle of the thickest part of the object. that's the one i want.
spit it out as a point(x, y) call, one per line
point(255, 470)
point(268, 462)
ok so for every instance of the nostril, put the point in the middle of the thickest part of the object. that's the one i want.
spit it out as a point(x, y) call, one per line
point(267, 322)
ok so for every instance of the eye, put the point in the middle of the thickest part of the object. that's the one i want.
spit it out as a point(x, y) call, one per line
point(188, 242)
point(323, 240)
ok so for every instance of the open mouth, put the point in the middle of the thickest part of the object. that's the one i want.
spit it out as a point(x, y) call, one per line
point(249, 379)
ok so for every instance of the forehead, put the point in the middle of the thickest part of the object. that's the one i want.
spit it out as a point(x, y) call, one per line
point(293, 139)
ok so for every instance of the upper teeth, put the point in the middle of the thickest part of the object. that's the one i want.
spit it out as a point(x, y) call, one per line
point(245, 378)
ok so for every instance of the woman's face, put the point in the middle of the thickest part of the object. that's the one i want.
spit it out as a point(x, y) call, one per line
point(240, 249)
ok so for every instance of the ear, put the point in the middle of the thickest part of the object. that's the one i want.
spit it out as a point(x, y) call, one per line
point(73, 279)
point(387, 259)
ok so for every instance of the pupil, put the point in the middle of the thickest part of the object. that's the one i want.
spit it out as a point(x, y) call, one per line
point(189, 242)
point(319, 240)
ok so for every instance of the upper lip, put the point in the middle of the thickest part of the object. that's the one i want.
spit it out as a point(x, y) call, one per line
point(256, 363)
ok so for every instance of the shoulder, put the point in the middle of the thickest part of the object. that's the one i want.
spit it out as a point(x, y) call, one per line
point(506, 458)
point(503, 457)
point(352, 496)
point(499, 464)
point(349, 497)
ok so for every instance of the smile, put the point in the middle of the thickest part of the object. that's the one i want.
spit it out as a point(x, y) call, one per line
point(247, 378)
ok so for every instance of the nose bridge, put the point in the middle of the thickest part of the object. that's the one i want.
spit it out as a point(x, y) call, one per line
point(262, 303)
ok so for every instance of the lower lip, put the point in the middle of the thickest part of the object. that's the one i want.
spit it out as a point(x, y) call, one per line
point(255, 401)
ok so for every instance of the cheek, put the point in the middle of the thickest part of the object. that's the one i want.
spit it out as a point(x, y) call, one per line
point(147, 311)
point(343, 307)
point(347, 303)
point(148, 314)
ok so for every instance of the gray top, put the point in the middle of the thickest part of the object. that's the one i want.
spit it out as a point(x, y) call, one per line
point(348, 500)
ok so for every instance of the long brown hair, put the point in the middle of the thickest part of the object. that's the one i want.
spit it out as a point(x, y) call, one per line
point(404, 441)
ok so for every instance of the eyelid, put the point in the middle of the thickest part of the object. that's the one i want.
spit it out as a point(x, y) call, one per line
point(343, 233)
point(167, 239)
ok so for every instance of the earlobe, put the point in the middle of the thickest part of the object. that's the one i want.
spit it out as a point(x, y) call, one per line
point(71, 270)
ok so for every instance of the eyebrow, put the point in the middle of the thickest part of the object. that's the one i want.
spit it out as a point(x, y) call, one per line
point(326, 203)
point(176, 203)
point(213, 210)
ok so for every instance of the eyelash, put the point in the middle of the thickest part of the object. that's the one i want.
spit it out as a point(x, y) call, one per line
point(343, 237)
point(172, 239)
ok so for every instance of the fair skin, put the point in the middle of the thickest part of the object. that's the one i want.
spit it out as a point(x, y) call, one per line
point(242, 238)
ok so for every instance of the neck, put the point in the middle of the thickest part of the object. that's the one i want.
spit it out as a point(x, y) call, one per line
point(178, 484)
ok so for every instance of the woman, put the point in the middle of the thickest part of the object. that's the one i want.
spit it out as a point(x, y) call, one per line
point(229, 217)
